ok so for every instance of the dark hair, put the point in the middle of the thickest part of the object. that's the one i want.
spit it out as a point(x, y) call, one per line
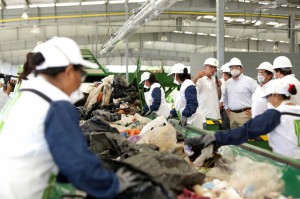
point(229, 74)
point(185, 75)
point(284, 71)
point(28, 67)
point(269, 73)
point(152, 79)
point(38, 59)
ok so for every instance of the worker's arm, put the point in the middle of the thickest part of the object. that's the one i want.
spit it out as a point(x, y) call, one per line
point(260, 125)
point(191, 101)
point(70, 152)
point(198, 75)
point(156, 95)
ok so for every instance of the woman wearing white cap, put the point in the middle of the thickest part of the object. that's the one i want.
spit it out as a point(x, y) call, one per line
point(186, 99)
point(155, 98)
point(264, 76)
point(282, 124)
point(47, 139)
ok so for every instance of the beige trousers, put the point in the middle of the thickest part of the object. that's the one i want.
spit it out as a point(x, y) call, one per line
point(238, 119)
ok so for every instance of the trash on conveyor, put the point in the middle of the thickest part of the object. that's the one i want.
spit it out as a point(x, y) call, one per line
point(110, 117)
point(98, 124)
point(123, 90)
point(148, 188)
point(169, 169)
point(113, 145)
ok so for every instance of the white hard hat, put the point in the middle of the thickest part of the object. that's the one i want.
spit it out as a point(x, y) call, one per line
point(225, 68)
point(211, 61)
point(145, 76)
point(266, 66)
point(177, 69)
point(282, 62)
point(277, 86)
point(235, 62)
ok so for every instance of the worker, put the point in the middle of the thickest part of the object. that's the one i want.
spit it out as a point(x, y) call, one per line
point(283, 70)
point(237, 96)
point(264, 76)
point(48, 139)
point(225, 72)
point(185, 101)
point(155, 98)
point(281, 124)
point(209, 89)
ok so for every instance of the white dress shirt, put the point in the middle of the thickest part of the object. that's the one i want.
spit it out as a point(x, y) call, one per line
point(291, 79)
point(259, 103)
point(208, 97)
point(238, 93)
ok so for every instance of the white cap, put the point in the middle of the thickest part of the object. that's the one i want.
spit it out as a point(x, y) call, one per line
point(225, 68)
point(61, 51)
point(211, 61)
point(177, 69)
point(277, 86)
point(145, 76)
point(282, 62)
point(235, 62)
point(266, 66)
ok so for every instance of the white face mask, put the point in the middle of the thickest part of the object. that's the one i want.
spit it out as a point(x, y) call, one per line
point(145, 86)
point(270, 106)
point(235, 72)
point(76, 96)
point(260, 78)
point(175, 81)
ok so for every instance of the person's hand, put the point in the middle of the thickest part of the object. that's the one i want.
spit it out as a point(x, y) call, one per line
point(228, 112)
point(183, 121)
point(126, 179)
point(248, 113)
point(200, 74)
point(219, 84)
point(221, 106)
point(208, 139)
point(148, 113)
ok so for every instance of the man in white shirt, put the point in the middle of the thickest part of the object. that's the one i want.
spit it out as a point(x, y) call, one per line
point(283, 70)
point(209, 89)
point(237, 96)
point(264, 76)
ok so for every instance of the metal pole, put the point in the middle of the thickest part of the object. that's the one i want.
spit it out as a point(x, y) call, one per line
point(126, 50)
point(220, 31)
point(292, 36)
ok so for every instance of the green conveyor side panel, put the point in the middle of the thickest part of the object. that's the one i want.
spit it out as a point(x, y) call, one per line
point(87, 55)
point(289, 167)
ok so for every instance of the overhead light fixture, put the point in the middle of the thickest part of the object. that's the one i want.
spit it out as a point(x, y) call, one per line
point(269, 40)
point(164, 38)
point(254, 38)
point(227, 36)
point(14, 7)
point(116, 1)
point(272, 23)
point(48, 5)
point(281, 41)
point(188, 33)
point(226, 18)
point(263, 3)
point(240, 20)
point(208, 17)
point(280, 25)
point(33, 5)
point(148, 11)
point(199, 17)
point(257, 23)
point(201, 33)
point(212, 35)
point(230, 20)
point(284, 5)
point(86, 3)
point(35, 30)
point(24, 15)
point(136, 1)
point(67, 4)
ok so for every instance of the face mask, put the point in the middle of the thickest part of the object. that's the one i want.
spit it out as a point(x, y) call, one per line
point(260, 78)
point(145, 86)
point(76, 96)
point(175, 81)
point(235, 72)
point(270, 106)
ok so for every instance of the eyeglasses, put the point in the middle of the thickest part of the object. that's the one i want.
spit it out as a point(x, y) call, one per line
point(82, 71)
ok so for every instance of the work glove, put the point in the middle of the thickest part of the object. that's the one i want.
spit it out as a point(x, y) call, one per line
point(143, 113)
point(126, 179)
point(183, 121)
point(148, 113)
point(195, 145)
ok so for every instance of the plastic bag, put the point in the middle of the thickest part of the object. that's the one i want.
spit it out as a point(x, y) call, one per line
point(159, 121)
point(252, 178)
point(163, 136)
